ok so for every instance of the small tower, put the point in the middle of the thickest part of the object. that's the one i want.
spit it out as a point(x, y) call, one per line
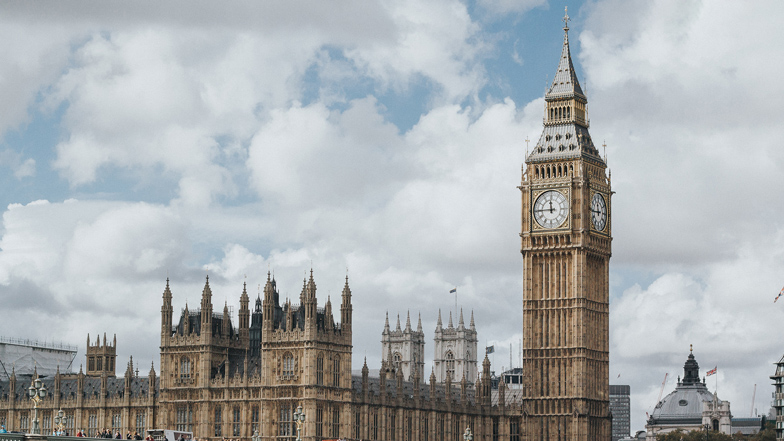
point(455, 350)
point(404, 349)
point(101, 357)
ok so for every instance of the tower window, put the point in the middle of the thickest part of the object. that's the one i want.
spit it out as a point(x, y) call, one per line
point(450, 364)
point(336, 371)
point(288, 366)
point(185, 368)
point(320, 369)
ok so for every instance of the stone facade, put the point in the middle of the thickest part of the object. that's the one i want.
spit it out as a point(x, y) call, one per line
point(455, 350)
point(566, 236)
point(404, 348)
point(218, 379)
point(213, 385)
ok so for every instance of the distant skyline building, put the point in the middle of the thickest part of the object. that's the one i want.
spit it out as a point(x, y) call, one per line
point(620, 407)
point(691, 406)
point(778, 398)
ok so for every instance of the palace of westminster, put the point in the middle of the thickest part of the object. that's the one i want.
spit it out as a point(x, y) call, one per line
point(219, 379)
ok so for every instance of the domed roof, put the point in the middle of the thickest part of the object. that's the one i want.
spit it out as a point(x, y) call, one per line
point(685, 402)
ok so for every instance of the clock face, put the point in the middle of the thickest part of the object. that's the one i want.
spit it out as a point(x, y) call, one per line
point(598, 212)
point(551, 209)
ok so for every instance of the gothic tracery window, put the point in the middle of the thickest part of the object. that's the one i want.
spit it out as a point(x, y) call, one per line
point(288, 366)
point(336, 371)
point(450, 364)
point(320, 369)
point(185, 368)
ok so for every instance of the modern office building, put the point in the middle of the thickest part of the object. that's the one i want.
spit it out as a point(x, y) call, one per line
point(620, 407)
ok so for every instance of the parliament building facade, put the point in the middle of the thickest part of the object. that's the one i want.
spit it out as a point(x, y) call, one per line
point(221, 380)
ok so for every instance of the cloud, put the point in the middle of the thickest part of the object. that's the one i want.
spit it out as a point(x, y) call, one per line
point(21, 167)
point(505, 7)
point(676, 93)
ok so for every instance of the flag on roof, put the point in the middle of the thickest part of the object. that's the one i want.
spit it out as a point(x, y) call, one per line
point(490, 349)
point(711, 372)
point(452, 290)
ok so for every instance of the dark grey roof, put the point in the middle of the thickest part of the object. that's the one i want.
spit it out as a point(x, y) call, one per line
point(115, 386)
point(374, 387)
point(565, 82)
point(563, 141)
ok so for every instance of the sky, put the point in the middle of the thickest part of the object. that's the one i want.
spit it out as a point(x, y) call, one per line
point(384, 140)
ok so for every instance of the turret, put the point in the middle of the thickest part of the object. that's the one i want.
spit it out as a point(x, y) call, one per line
point(225, 324)
point(269, 304)
point(345, 308)
point(206, 309)
point(244, 316)
point(432, 384)
point(328, 320)
point(186, 322)
point(365, 373)
point(166, 315)
point(151, 378)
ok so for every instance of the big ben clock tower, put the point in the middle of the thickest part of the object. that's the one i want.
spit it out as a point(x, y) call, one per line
point(566, 237)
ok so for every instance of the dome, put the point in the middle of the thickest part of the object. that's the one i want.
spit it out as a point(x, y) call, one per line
point(684, 404)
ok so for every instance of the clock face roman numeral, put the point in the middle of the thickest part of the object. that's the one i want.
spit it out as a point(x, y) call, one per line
point(598, 212)
point(551, 209)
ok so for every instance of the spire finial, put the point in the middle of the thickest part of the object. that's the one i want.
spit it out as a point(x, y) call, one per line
point(691, 348)
point(566, 19)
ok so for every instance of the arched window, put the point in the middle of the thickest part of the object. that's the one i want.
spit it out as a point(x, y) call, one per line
point(320, 369)
point(288, 366)
point(450, 364)
point(396, 360)
point(336, 371)
point(185, 368)
point(716, 425)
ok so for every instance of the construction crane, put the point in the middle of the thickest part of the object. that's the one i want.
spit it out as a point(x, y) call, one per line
point(661, 391)
point(753, 396)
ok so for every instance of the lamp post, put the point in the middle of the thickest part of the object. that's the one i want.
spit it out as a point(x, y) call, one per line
point(468, 436)
point(36, 391)
point(707, 429)
point(59, 422)
point(299, 417)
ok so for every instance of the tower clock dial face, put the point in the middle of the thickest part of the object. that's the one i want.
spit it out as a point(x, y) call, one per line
point(598, 212)
point(551, 209)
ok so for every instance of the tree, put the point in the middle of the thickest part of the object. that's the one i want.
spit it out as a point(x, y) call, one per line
point(694, 435)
